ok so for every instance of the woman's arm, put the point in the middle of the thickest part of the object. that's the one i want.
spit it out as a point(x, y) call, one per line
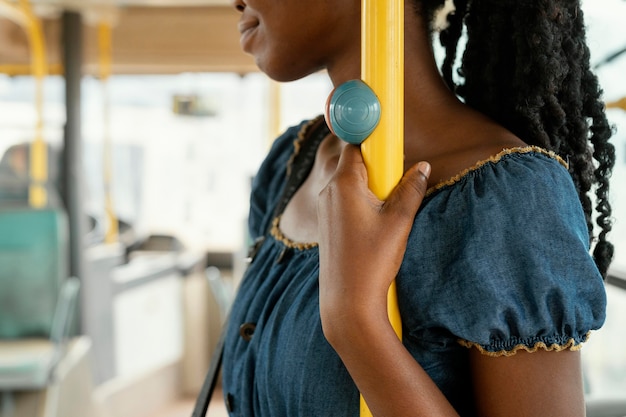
point(541, 383)
point(362, 243)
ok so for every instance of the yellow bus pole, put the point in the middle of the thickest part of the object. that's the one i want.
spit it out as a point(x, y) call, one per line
point(105, 47)
point(275, 96)
point(382, 68)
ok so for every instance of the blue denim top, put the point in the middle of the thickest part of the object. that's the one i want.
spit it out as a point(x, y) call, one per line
point(497, 260)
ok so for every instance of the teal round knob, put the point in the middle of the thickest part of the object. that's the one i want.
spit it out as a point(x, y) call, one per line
point(352, 111)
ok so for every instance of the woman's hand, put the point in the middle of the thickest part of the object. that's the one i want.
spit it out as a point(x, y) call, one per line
point(362, 240)
point(362, 243)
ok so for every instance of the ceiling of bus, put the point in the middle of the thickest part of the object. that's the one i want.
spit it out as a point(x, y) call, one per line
point(148, 36)
point(151, 3)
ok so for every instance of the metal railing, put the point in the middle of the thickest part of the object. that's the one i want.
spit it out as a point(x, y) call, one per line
point(617, 277)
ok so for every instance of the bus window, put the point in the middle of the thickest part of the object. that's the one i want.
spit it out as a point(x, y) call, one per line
point(604, 357)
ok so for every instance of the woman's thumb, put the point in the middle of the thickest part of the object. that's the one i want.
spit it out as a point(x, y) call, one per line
point(410, 191)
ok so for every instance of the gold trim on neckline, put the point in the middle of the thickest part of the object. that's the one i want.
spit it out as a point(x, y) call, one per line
point(297, 142)
point(280, 236)
point(495, 159)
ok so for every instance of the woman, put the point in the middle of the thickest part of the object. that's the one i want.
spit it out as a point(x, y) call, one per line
point(496, 287)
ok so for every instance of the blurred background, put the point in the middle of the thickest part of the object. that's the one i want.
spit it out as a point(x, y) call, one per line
point(129, 134)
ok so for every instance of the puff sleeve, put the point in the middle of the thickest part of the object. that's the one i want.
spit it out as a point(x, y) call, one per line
point(500, 260)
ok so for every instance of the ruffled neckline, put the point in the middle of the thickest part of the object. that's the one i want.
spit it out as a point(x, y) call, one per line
point(494, 160)
point(278, 235)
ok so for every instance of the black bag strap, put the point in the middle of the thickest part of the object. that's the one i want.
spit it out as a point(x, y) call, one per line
point(300, 167)
point(210, 381)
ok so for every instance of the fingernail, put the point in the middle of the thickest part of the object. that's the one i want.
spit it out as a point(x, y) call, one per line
point(424, 168)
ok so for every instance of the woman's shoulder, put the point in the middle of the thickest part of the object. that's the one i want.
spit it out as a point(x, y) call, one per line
point(508, 233)
point(525, 191)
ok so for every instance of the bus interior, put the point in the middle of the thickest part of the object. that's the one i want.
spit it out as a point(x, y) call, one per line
point(125, 169)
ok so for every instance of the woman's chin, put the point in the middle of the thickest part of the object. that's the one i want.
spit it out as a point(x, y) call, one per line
point(280, 72)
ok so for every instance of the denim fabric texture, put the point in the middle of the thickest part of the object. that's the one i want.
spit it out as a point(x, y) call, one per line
point(497, 261)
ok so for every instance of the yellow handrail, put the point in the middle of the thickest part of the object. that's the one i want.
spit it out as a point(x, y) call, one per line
point(275, 98)
point(382, 68)
point(23, 15)
point(26, 69)
point(13, 13)
point(105, 48)
point(618, 104)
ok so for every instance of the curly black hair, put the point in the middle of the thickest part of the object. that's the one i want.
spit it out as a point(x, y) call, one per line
point(526, 65)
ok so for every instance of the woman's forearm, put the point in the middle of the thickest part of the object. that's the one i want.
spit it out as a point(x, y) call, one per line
point(388, 377)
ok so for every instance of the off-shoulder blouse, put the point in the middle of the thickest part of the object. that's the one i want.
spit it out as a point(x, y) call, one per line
point(497, 260)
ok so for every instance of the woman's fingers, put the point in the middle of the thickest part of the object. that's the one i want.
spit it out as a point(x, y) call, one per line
point(351, 166)
point(407, 196)
point(362, 239)
point(355, 222)
point(411, 188)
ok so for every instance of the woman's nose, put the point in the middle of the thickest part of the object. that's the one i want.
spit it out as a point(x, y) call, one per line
point(240, 5)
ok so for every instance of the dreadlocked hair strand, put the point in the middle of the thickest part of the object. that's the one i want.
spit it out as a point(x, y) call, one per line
point(449, 39)
point(526, 65)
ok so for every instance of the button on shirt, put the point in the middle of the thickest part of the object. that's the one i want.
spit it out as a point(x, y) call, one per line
point(246, 331)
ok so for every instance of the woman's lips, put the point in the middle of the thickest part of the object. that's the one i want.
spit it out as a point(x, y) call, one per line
point(246, 28)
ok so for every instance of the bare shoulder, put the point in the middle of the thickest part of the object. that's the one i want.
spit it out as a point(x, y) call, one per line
point(457, 157)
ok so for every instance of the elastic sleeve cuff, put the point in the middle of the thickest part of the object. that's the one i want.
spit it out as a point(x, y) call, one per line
point(510, 348)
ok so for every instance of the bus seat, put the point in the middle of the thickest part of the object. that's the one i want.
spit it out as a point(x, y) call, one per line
point(33, 265)
point(30, 364)
point(27, 363)
point(36, 299)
